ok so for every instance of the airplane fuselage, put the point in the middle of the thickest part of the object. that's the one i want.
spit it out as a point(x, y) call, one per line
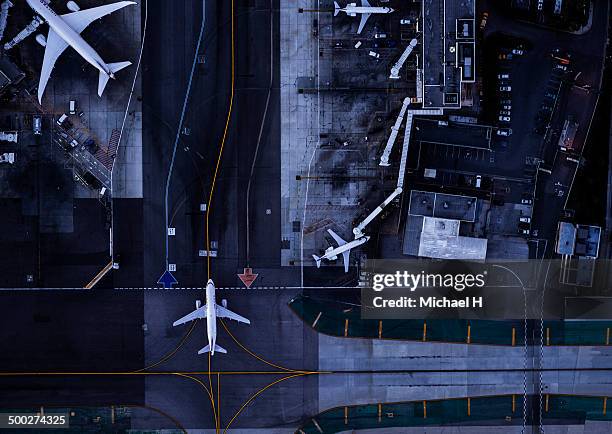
point(211, 316)
point(354, 10)
point(332, 253)
point(70, 36)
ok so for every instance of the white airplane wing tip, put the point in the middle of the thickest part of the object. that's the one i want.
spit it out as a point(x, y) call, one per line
point(102, 81)
point(222, 312)
point(362, 23)
point(346, 256)
point(337, 237)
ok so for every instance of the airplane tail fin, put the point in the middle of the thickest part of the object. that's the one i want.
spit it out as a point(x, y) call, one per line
point(336, 8)
point(103, 78)
point(317, 260)
point(218, 349)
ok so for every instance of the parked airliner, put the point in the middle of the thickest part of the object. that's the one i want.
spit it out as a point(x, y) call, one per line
point(365, 10)
point(211, 311)
point(64, 31)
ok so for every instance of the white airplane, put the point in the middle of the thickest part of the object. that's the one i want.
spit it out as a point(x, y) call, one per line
point(211, 311)
point(365, 10)
point(64, 31)
point(331, 254)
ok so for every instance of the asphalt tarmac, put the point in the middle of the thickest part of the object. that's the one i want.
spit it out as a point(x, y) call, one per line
point(250, 153)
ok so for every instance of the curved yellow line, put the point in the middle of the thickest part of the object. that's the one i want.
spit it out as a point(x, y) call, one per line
point(201, 383)
point(252, 353)
point(256, 394)
point(173, 352)
point(223, 139)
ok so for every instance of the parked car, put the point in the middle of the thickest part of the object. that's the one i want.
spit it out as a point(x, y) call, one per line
point(517, 52)
point(524, 231)
point(374, 54)
point(503, 76)
point(506, 107)
point(504, 132)
point(505, 88)
point(504, 118)
point(526, 201)
point(525, 219)
point(62, 118)
point(505, 112)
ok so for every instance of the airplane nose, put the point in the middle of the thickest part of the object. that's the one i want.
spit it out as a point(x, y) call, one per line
point(210, 282)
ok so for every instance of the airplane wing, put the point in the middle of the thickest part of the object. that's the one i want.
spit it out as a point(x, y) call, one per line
point(81, 19)
point(345, 255)
point(54, 48)
point(365, 4)
point(226, 313)
point(362, 23)
point(199, 313)
point(336, 237)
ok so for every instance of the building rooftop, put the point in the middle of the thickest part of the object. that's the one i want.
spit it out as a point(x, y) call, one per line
point(587, 240)
point(579, 240)
point(448, 51)
point(447, 206)
point(566, 238)
point(433, 237)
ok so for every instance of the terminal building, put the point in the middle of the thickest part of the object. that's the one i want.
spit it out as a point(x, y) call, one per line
point(437, 226)
point(449, 61)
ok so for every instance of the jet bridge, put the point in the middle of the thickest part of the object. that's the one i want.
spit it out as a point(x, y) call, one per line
point(395, 70)
point(384, 161)
point(29, 29)
point(4, 8)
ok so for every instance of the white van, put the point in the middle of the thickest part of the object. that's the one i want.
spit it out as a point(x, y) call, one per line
point(37, 125)
point(62, 118)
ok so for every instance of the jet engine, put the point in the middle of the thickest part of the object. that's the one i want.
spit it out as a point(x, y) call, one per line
point(73, 6)
point(41, 40)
